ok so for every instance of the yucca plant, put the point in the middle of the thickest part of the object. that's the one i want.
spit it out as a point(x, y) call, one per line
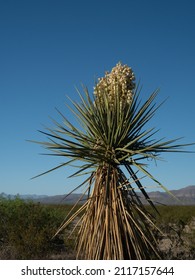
point(112, 143)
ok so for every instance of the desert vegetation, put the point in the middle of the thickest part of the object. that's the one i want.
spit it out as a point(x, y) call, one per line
point(27, 230)
point(177, 224)
point(113, 144)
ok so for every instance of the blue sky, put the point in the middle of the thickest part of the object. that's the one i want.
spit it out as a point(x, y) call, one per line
point(49, 47)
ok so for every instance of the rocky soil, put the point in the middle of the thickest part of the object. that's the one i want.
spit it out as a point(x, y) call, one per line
point(178, 241)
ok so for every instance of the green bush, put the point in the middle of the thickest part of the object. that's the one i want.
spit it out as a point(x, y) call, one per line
point(175, 214)
point(26, 229)
point(178, 225)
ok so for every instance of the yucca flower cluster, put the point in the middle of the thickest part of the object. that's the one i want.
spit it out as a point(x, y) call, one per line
point(119, 82)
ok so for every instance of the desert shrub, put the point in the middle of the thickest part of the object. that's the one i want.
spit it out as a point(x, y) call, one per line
point(176, 213)
point(178, 225)
point(26, 229)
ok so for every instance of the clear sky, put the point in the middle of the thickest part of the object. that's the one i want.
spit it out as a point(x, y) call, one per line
point(47, 47)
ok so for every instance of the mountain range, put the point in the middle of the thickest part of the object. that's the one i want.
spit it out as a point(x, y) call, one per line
point(184, 196)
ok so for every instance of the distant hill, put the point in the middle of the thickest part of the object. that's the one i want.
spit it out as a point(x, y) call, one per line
point(185, 195)
point(46, 199)
point(60, 199)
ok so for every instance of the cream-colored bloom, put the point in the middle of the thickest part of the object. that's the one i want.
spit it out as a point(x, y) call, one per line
point(120, 81)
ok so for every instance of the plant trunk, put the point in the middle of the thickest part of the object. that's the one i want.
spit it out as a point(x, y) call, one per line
point(116, 225)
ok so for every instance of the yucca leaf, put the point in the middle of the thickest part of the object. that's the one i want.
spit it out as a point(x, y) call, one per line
point(52, 169)
point(156, 181)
